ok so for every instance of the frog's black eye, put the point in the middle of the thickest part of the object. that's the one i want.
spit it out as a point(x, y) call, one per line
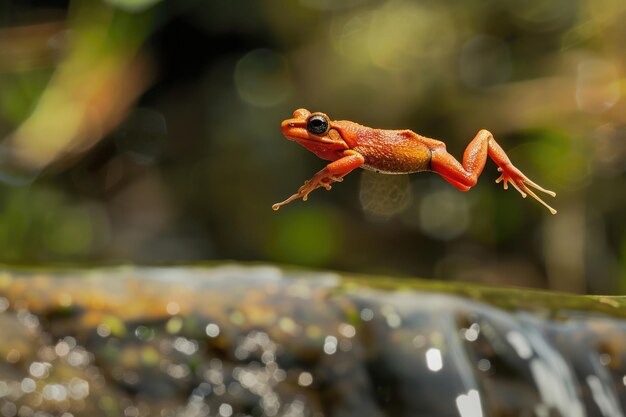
point(317, 124)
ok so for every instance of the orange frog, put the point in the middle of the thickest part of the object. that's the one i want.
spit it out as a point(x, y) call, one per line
point(350, 146)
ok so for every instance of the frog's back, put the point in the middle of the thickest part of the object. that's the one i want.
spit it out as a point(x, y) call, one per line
point(392, 151)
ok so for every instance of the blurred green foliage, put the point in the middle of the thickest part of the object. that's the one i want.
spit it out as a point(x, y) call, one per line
point(148, 131)
point(312, 236)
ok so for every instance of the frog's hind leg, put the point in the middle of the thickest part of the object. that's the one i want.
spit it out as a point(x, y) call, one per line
point(465, 175)
point(457, 184)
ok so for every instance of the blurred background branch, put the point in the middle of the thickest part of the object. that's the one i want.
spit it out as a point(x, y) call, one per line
point(97, 76)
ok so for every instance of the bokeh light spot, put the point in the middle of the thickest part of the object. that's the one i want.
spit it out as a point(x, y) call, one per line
point(212, 330)
point(444, 214)
point(262, 78)
point(305, 379)
point(434, 360)
point(383, 196)
point(469, 404)
point(484, 364)
point(597, 86)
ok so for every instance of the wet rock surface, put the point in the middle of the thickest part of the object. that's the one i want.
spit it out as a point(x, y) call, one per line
point(234, 340)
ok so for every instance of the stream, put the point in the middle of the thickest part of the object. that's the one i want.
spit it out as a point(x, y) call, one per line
point(259, 340)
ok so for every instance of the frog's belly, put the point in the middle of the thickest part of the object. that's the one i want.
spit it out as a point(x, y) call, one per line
point(401, 160)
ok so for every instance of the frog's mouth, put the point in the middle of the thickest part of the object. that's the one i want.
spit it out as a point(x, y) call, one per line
point(303, 137)
point(295, 130)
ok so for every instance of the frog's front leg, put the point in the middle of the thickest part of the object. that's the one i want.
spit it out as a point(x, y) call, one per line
point(333, 172)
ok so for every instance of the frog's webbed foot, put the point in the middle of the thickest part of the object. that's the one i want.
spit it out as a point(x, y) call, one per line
point(310, 185)
point(521, 183)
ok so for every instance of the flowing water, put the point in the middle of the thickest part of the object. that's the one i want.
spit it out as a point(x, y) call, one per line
point(233, 340)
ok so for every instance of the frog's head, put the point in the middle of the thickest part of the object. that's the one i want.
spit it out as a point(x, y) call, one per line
point(316, 132)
